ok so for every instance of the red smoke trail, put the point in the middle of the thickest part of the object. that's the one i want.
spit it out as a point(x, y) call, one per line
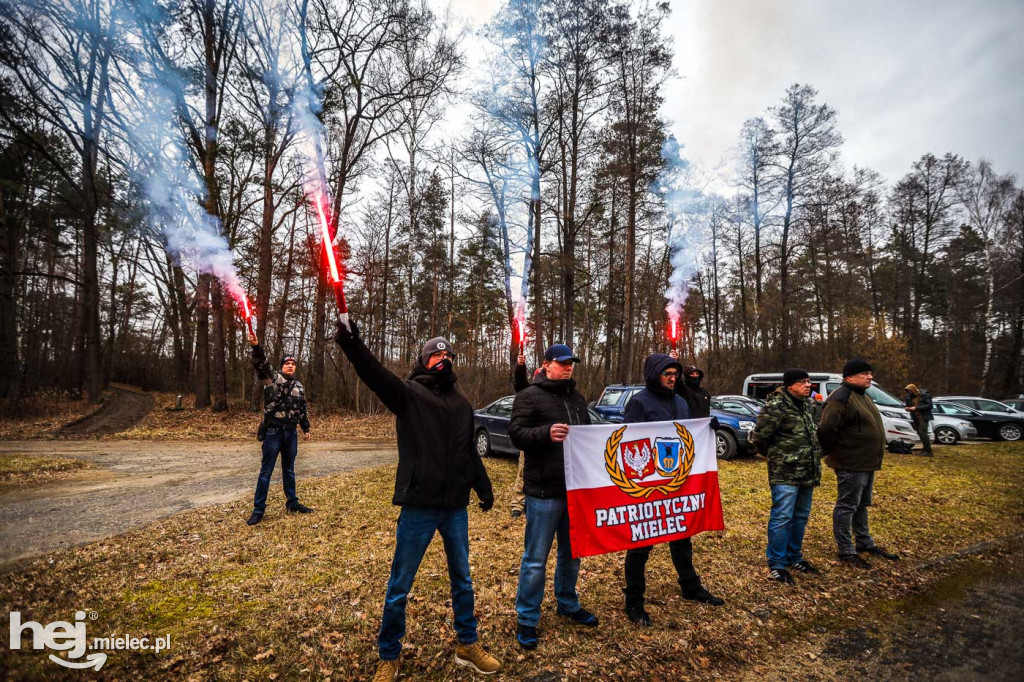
point(332, 262)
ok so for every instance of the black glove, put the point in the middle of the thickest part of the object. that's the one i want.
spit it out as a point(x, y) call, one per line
point(346, 334)
point(714, 423)
point(486, 503)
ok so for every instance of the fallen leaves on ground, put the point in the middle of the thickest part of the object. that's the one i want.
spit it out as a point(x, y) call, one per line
point(309, 588)
point(18, 470)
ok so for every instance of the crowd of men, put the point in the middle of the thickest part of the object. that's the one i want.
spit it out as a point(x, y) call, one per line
point(438, 466)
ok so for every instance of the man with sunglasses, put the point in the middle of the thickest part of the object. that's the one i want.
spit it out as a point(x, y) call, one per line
point(786, 433)
point(437, 466)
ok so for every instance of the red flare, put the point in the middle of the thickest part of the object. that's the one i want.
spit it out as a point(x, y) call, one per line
point(332, 263)
point(247, 313)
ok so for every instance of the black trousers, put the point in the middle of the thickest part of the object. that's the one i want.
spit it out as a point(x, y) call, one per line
point(922, 431)
point(636, 570)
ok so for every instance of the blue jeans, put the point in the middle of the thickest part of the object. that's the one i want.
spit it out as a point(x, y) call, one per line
point(791, 507)
point(416, 527)
point(277, 440)
point(545, 519)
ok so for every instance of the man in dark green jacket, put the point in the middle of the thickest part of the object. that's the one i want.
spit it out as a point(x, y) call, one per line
point(852, 436)
point(786, 434)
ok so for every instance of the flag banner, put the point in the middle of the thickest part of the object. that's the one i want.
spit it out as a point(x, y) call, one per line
point(633, 485)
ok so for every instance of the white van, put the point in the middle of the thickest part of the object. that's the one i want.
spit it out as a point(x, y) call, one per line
point(897, 422)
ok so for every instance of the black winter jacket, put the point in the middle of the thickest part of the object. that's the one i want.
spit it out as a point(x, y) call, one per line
point(696, 396)
point(437, 458)
point(655, 403)
point(534, 410)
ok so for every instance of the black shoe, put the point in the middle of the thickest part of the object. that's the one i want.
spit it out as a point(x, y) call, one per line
point(805, 567)
point(638, 616)
point(516, 513)
point(254, 519)
point(878, 551)
point(300, 509)
point(703, 596)
point(526, 635)
point(781, 575)
point(581, 617)
point(853, 560)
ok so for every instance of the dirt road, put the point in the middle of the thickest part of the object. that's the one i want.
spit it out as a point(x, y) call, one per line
point(136, 482)
point(123, 409)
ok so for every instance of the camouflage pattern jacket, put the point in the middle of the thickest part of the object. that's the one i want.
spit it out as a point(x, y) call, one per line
point(787, 435)
point(284, 399)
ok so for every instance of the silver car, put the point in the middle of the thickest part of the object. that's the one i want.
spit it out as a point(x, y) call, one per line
point(949, 430)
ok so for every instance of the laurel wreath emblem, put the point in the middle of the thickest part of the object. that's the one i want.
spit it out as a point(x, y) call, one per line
point(633, 489)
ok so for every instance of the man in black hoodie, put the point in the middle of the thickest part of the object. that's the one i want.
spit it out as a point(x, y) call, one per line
point(541, 417)
point(659, 402)
point(437, 465)
point(696, 396)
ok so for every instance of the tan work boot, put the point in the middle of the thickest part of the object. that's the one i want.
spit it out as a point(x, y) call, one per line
point(473, 656)
point(386, 671)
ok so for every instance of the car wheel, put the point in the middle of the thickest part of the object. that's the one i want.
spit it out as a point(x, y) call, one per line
point(483, 443)
point(1010, 432)
point(725, 445)
point(946, 435)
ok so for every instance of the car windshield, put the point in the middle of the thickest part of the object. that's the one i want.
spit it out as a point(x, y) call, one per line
point(993, 406)
point(882, 398)
point(611, 396)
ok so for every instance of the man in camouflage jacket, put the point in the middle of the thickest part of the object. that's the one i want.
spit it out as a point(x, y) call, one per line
point(787, 435)
point(284, 408)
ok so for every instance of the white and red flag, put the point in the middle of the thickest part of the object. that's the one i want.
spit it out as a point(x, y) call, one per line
point(633, 485)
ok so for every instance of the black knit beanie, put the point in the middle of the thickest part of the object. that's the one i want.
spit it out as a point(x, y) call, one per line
point(791, 376)
point(856, 366)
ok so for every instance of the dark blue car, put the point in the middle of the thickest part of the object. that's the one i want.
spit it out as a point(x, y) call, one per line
point(731, 437)
point(492, 427)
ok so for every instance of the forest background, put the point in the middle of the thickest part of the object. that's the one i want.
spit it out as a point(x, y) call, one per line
point(559, 190)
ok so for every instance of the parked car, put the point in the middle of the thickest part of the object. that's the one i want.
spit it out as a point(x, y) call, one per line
point(985, 405)
point(950, 430)
point(731, 436)
point(1015, 403)
point(492, 422)
point(895, 418)
point(739, 404)
point(995, 426)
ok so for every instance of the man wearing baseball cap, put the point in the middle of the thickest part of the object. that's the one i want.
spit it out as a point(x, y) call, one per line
point(852, 437)
point(541, 417)
point(437, 466)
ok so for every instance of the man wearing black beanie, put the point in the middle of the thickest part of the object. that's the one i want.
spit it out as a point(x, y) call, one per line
point(785, 434)
point(852, 436)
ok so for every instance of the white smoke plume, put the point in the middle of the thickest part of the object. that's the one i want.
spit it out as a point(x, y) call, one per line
point(687, 234)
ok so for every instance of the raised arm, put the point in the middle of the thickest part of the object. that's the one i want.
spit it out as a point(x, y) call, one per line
point(264, 371)
point(391, 390)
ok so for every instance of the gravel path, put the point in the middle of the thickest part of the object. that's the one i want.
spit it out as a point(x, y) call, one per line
point(122, 410)
point(136, 482)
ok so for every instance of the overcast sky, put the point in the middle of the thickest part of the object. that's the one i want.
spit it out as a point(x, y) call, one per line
point(906, 76)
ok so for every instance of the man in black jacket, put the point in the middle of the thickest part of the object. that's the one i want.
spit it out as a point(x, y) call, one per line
point(541, 417)
point(919, 405)
point(657, 402)
point(437, 466)
point(696, 396)
point(284, 408)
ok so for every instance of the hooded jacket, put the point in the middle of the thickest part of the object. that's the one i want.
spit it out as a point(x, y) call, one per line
point(786, 434)
point(851, 431)
point(696, 396)
point(437, 458)
point(534, 410)
point(656, 403)
point(921, 402)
